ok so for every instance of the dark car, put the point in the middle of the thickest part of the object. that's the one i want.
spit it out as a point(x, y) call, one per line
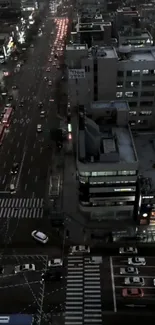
point(14, 169)
point(52, 275)
point(10, 97)
point(21, 103)
point(40, 104)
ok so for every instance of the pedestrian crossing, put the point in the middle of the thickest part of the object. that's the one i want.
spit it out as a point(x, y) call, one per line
point(83, 292)
point(21, 208)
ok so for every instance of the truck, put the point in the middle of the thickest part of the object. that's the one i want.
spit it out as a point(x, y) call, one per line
point(16, 319)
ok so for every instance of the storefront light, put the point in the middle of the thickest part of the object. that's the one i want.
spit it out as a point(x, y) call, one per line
point(4, 50)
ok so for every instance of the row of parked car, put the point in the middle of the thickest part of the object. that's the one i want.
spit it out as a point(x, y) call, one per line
point(133, 280)
point(53, 272)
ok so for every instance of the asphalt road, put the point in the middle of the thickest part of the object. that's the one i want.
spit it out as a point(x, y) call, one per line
point(23, 292)
point(86, 291)
point(22, 144)
point(22, 212)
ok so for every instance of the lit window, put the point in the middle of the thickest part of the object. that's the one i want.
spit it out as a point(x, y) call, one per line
point(145, 71)
point(133, 113)
point(132, 123)
point(135, 71)
point(84, 173)
point(124, 189)
point(129, 94)
point(119, 85)
point(119, 94)
point(145, 113)
point(126, 172)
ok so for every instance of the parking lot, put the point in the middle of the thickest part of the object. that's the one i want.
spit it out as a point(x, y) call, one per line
point(147, 272)
point(104, 283)
point(24, 291)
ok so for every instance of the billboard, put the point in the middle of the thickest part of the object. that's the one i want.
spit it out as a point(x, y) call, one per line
point(76, 73)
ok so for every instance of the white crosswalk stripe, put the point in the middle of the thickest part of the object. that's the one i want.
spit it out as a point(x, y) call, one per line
point(92, 294)
point(83, 292)
point(21, 208)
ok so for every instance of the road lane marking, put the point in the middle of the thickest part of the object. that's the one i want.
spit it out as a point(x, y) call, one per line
point(31, 158)
point(146, 266)
point(133, 287)
point(4, 165)
point(4, 179)
point(132, 276)
point(25, 187)
point(19, 285)
point(20, 169)
point(36, 179)
point(113, 285)
point(29, 171)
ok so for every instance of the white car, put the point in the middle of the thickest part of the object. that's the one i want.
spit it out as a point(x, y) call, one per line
point(12, 188)
point(154, 282)
point(40, 236)
point(55, 262)
point(42, 114)
point(24, 267)
point(129, 270)
point(137, 261)
point(138, 281)
point(95, 260)
point(79, 249)
point(128, 250)
point(39, 128)
point(50, 83)
point(48, 70)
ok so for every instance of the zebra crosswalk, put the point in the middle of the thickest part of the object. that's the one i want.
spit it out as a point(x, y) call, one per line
point(83, 292)
point(21, 208)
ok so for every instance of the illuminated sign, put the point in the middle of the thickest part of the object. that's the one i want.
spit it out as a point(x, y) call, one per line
point(76, 73)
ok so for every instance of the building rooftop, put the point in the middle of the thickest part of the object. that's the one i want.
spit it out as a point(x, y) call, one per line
point(128, 52)
point(145, 146)
point(134, 33)
point(105, 52)
point(107, 143)
point(73, 47)
point(89, 27)
point(143, 56)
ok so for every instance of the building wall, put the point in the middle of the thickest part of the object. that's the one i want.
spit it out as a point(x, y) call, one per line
point(107, 83)
point(127, 79)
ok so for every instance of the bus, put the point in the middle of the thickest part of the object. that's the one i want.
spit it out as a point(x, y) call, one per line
point(2, 130)
point(7, 116)
point(16, 319)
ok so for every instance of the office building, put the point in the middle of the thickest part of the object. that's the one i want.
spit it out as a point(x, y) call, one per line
point(107, 162)
point(126, 16)
point(102, 73)
point(135, 37)
point(96, 32)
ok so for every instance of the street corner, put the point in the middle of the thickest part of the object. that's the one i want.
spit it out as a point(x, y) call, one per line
point(21, 286)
